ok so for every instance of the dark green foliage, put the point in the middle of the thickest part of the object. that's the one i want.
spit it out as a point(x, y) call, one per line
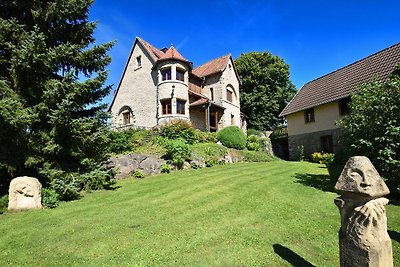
point(253, 142)
point(120, 142)
point(50, 198)
point(205, 137)
point(177, 152)
point(179, 129)
point(266, 88)
point(51, 84)
point(257, 156)
point(3, 203)
point(232, 137)
point(138, 174)
point(372, 128)
point(165, 168)
point(213, 162)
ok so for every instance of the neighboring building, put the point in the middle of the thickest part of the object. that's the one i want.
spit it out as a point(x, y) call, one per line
point(313, 112)
point(160, 85)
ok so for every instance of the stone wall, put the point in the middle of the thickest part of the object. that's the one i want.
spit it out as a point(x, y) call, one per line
point(138, 90)
point(312, 142)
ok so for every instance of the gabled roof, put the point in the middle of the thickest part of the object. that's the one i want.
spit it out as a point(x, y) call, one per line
point(172, 53)
point(344, 82)
point(154, 53)
point(211, 67)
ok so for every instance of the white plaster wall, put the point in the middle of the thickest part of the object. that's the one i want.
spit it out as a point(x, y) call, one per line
point(325, 117)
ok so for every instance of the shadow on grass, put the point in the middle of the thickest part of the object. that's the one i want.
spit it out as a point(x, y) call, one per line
point(394, 235)
point(290, 256)
point(320, 181)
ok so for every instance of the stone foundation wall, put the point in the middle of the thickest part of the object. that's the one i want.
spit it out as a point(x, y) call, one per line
point(312, 143)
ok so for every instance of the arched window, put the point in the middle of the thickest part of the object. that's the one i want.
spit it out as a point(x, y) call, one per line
point(126, 115)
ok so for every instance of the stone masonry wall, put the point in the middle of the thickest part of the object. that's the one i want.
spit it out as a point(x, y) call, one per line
point(312, 143)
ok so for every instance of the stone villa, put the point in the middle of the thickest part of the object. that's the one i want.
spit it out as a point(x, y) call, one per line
point(313, 112)
point(160, 85)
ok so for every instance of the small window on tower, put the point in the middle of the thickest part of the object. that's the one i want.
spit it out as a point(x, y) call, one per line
point(180, 75)
point(139, 61)
point(166, 106)
point(166, 74)
point(180, 106)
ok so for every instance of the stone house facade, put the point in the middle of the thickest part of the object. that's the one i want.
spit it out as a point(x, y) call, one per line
point(160, 85)
point(313, 112)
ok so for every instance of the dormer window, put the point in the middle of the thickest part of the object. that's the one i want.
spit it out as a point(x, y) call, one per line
point(180, 75)
point(166, 74)
point(139, 61)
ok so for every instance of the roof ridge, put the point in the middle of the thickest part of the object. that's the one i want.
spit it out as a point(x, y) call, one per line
point(374, 54)
point(214, 60)
point(153, 50)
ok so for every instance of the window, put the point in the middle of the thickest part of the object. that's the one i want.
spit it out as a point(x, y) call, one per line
point(326, 143)
point(344, 108)
point(180, 75)
point(166, 106)
point(126, 118)
point(180, 106)
point(166, 74)
point(309, 115)
point(229, 95)
point(212, 94)
point(139, 61)
point(232, 119)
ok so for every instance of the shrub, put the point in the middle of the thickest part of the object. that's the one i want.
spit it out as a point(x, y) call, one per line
point(232, 137)
point(177, 152)
point(179, 129)
point(212, 162)
point(208, 150)
point(165, 168)
point(138, 174)
point(372, 128)
point(253, 142)
point(66, 189)
point(257, 156)
point(3, 204)
point(50, 198)
point(205, 137)
point(323, 158)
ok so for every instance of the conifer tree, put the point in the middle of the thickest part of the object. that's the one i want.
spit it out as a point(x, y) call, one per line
point(52, 79)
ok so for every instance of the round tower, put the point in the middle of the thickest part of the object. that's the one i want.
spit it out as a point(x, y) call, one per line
point(172, 89)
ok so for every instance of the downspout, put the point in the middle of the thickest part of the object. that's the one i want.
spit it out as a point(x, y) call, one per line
point(208, 117)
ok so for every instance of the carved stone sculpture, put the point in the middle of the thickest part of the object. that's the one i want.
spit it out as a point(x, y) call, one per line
point(363, 237)
point(24, 194)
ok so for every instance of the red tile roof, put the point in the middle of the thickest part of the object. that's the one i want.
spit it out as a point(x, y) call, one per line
point(154, 53)
point(212, 67)
point(344, 82)
point(172, 53)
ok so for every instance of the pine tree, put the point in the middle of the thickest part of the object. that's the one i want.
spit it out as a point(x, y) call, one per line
point(52, 77)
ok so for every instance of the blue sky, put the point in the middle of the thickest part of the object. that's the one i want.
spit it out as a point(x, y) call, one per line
point(312, 37)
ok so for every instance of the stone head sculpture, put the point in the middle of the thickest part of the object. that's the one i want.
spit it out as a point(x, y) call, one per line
point(360, 178)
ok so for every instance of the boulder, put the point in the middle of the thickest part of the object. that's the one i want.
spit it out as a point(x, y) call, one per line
point(127, 164)
point(24, 194)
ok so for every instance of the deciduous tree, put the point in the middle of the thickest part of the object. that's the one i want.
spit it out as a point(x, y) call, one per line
point(265, 90)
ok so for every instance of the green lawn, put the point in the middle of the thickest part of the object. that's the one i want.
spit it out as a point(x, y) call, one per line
point(246, 214)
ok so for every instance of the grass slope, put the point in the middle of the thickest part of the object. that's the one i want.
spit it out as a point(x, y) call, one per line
point(247, 214)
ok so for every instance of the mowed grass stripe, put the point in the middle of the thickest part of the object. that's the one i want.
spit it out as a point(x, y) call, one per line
point(228, 215)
